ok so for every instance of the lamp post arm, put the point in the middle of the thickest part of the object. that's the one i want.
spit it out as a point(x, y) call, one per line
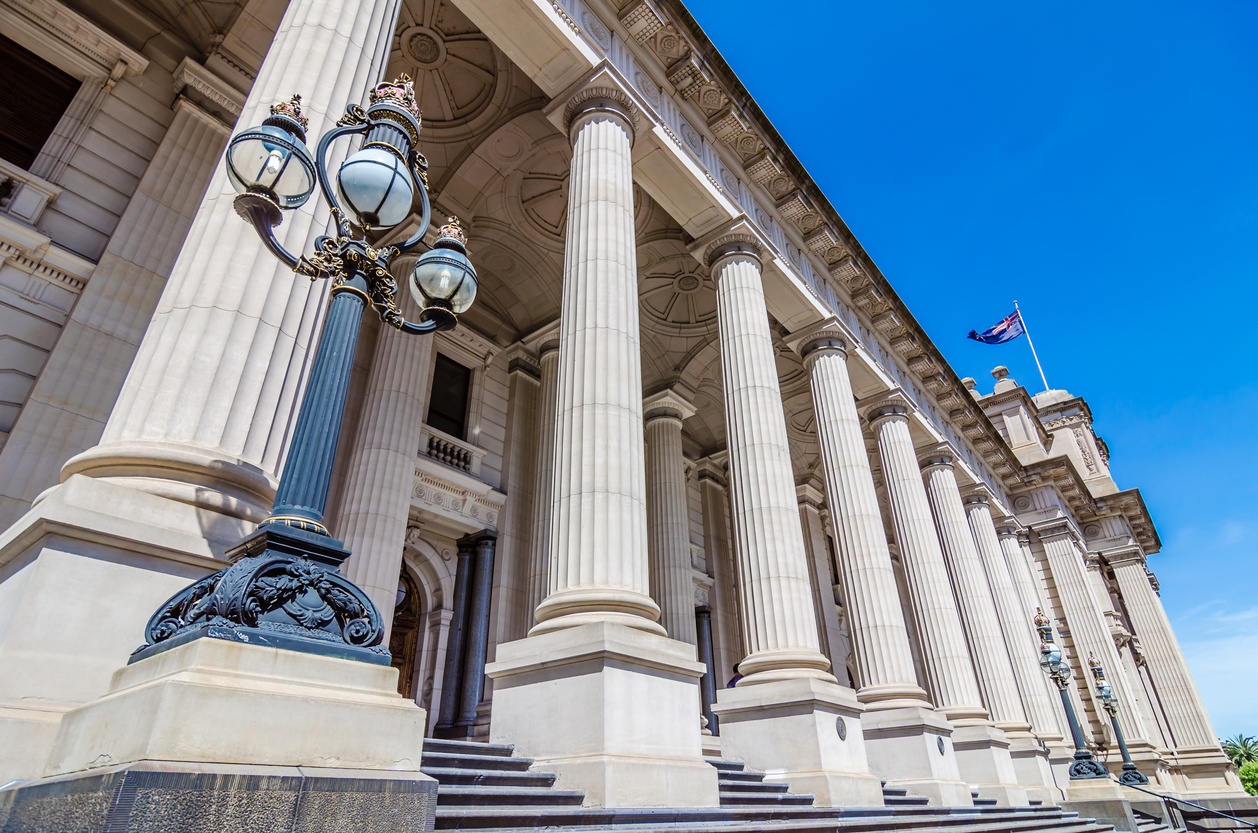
point(264, 215)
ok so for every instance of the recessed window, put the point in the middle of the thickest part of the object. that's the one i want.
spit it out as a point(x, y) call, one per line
point(447, 404)
point(33, 98)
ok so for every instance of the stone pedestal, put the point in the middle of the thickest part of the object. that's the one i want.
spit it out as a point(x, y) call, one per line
point(610, 709)
point(806, 732)
point(1103, 800)
point(983, 758)
point(211, 729)
point(911, 747)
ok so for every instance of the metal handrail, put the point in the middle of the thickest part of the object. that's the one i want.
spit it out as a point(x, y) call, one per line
point(1192, 804)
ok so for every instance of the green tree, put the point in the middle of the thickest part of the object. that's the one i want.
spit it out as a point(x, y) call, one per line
point(1241, 749)
point(1249, 777)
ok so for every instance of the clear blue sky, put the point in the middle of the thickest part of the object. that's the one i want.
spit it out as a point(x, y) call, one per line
point(1099, 163)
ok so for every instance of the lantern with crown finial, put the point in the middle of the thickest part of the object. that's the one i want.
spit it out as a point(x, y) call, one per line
point(272, 161)
point(443, 280)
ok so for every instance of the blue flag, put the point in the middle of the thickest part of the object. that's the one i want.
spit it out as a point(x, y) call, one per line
point(1006, 330)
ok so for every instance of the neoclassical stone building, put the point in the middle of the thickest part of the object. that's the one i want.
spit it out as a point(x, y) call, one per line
point(687, 425)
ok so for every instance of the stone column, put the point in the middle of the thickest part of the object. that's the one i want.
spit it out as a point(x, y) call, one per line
point(784, 656)
point(829, 629)
point(1087, 627)
point(544, 479)
point(1196, 746)
point(707, 685)
point(205, 411)
point(456, 640)
point(599, 473)
point(974, 597)
point(376, 500)
point(476, 646)
point(1039, 699)
point(668, 515)
point(949, 671)
point(66, 411)
point(597, 641)
point(713, 490)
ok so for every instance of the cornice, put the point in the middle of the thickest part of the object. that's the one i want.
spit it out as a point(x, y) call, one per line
point(191, 75)
point(74, 40)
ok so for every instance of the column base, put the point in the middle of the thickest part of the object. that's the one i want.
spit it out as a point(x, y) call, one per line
point(911, 747)
point(806, 732)
point(1100, 799)
point(81, 573)
point(1034, 770)
point(1204, 773)
point(157, 796)
point(984, 761)
point(610, 709)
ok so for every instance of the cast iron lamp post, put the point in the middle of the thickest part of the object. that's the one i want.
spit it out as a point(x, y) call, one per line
point(1084, 766)
point(283, 589)
point(1109, 701)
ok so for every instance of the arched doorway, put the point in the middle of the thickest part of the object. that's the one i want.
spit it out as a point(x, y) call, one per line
point(404, 640)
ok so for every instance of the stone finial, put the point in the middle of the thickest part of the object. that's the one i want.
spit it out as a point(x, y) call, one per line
point(969, 383)
point(999, 372)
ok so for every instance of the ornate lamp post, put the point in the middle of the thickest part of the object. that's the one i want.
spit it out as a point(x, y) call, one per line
point(283, 589)
point(1084, 766)
point(1109, 701)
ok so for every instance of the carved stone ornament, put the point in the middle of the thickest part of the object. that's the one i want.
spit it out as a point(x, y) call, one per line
point(1088, 768)
point(273, 595)
point(729, 244)
point(597, 30)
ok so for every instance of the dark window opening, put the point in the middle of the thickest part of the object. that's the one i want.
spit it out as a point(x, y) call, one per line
point(447, 404)
point(33, 97)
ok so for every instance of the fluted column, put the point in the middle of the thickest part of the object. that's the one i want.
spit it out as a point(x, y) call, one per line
point(1040, 696)
point(974, 596)
point(376, 500)
point(876, 624)
point(205, 411)
point(476, 646)
point(777, 610)
point(1087, 627)
point(1186, 714)
point(67, 409)
point(668, 516)
point(598, 539)
point(949, 671)
point(544, 478)
point(456, 637)
point(1020, 646)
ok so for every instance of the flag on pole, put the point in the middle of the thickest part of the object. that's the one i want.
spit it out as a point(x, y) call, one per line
point(1007, 330)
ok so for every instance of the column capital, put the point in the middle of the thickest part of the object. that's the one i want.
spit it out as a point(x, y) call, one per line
point(713, 469)
point(888, 408)
point(1007, 531)
point(810, 495)
point(1124, 555)
point(605, 101)
point(731, 245)
point(827, 335)
point(1059, 528)
point(667, 404)
point(940, 460)
point(974, 498)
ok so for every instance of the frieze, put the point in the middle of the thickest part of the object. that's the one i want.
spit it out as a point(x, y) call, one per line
point(189, 74)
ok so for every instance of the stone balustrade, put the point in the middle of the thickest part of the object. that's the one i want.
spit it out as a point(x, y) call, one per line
point(456, 453)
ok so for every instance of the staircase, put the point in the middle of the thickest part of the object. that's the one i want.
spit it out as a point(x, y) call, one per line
point(486, 787)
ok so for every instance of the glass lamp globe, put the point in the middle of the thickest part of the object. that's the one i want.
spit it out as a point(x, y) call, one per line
point(1107, 693)
point(1050, 657)
point(272, 161)
point(375, 185)
point(443, 276)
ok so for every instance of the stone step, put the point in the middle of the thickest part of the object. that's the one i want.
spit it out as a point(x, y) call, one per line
point(979, 801)
point(730, 797)
point(489, 777)
point(751, 786)
point(462, 760)
point(726, 766)
point(457, 747)
point(744, 820)
point(480, 795)
point(737, 775)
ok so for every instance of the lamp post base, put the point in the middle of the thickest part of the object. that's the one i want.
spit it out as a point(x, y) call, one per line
point(281, 591)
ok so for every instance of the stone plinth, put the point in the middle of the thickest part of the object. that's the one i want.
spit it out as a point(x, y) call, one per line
point(911, 747)
point(215, 735)
point(806, 732)
point(610, 709)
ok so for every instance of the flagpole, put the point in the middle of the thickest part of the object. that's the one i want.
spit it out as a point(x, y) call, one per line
point(1027, 330)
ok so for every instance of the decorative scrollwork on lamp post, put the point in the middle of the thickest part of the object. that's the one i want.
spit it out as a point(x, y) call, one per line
point(1054, 665)
point(283, 589)
point(1109, 701)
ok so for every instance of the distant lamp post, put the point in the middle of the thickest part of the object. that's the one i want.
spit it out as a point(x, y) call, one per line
point(1084, 766)
point(283, 589)
point(1109, 701)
